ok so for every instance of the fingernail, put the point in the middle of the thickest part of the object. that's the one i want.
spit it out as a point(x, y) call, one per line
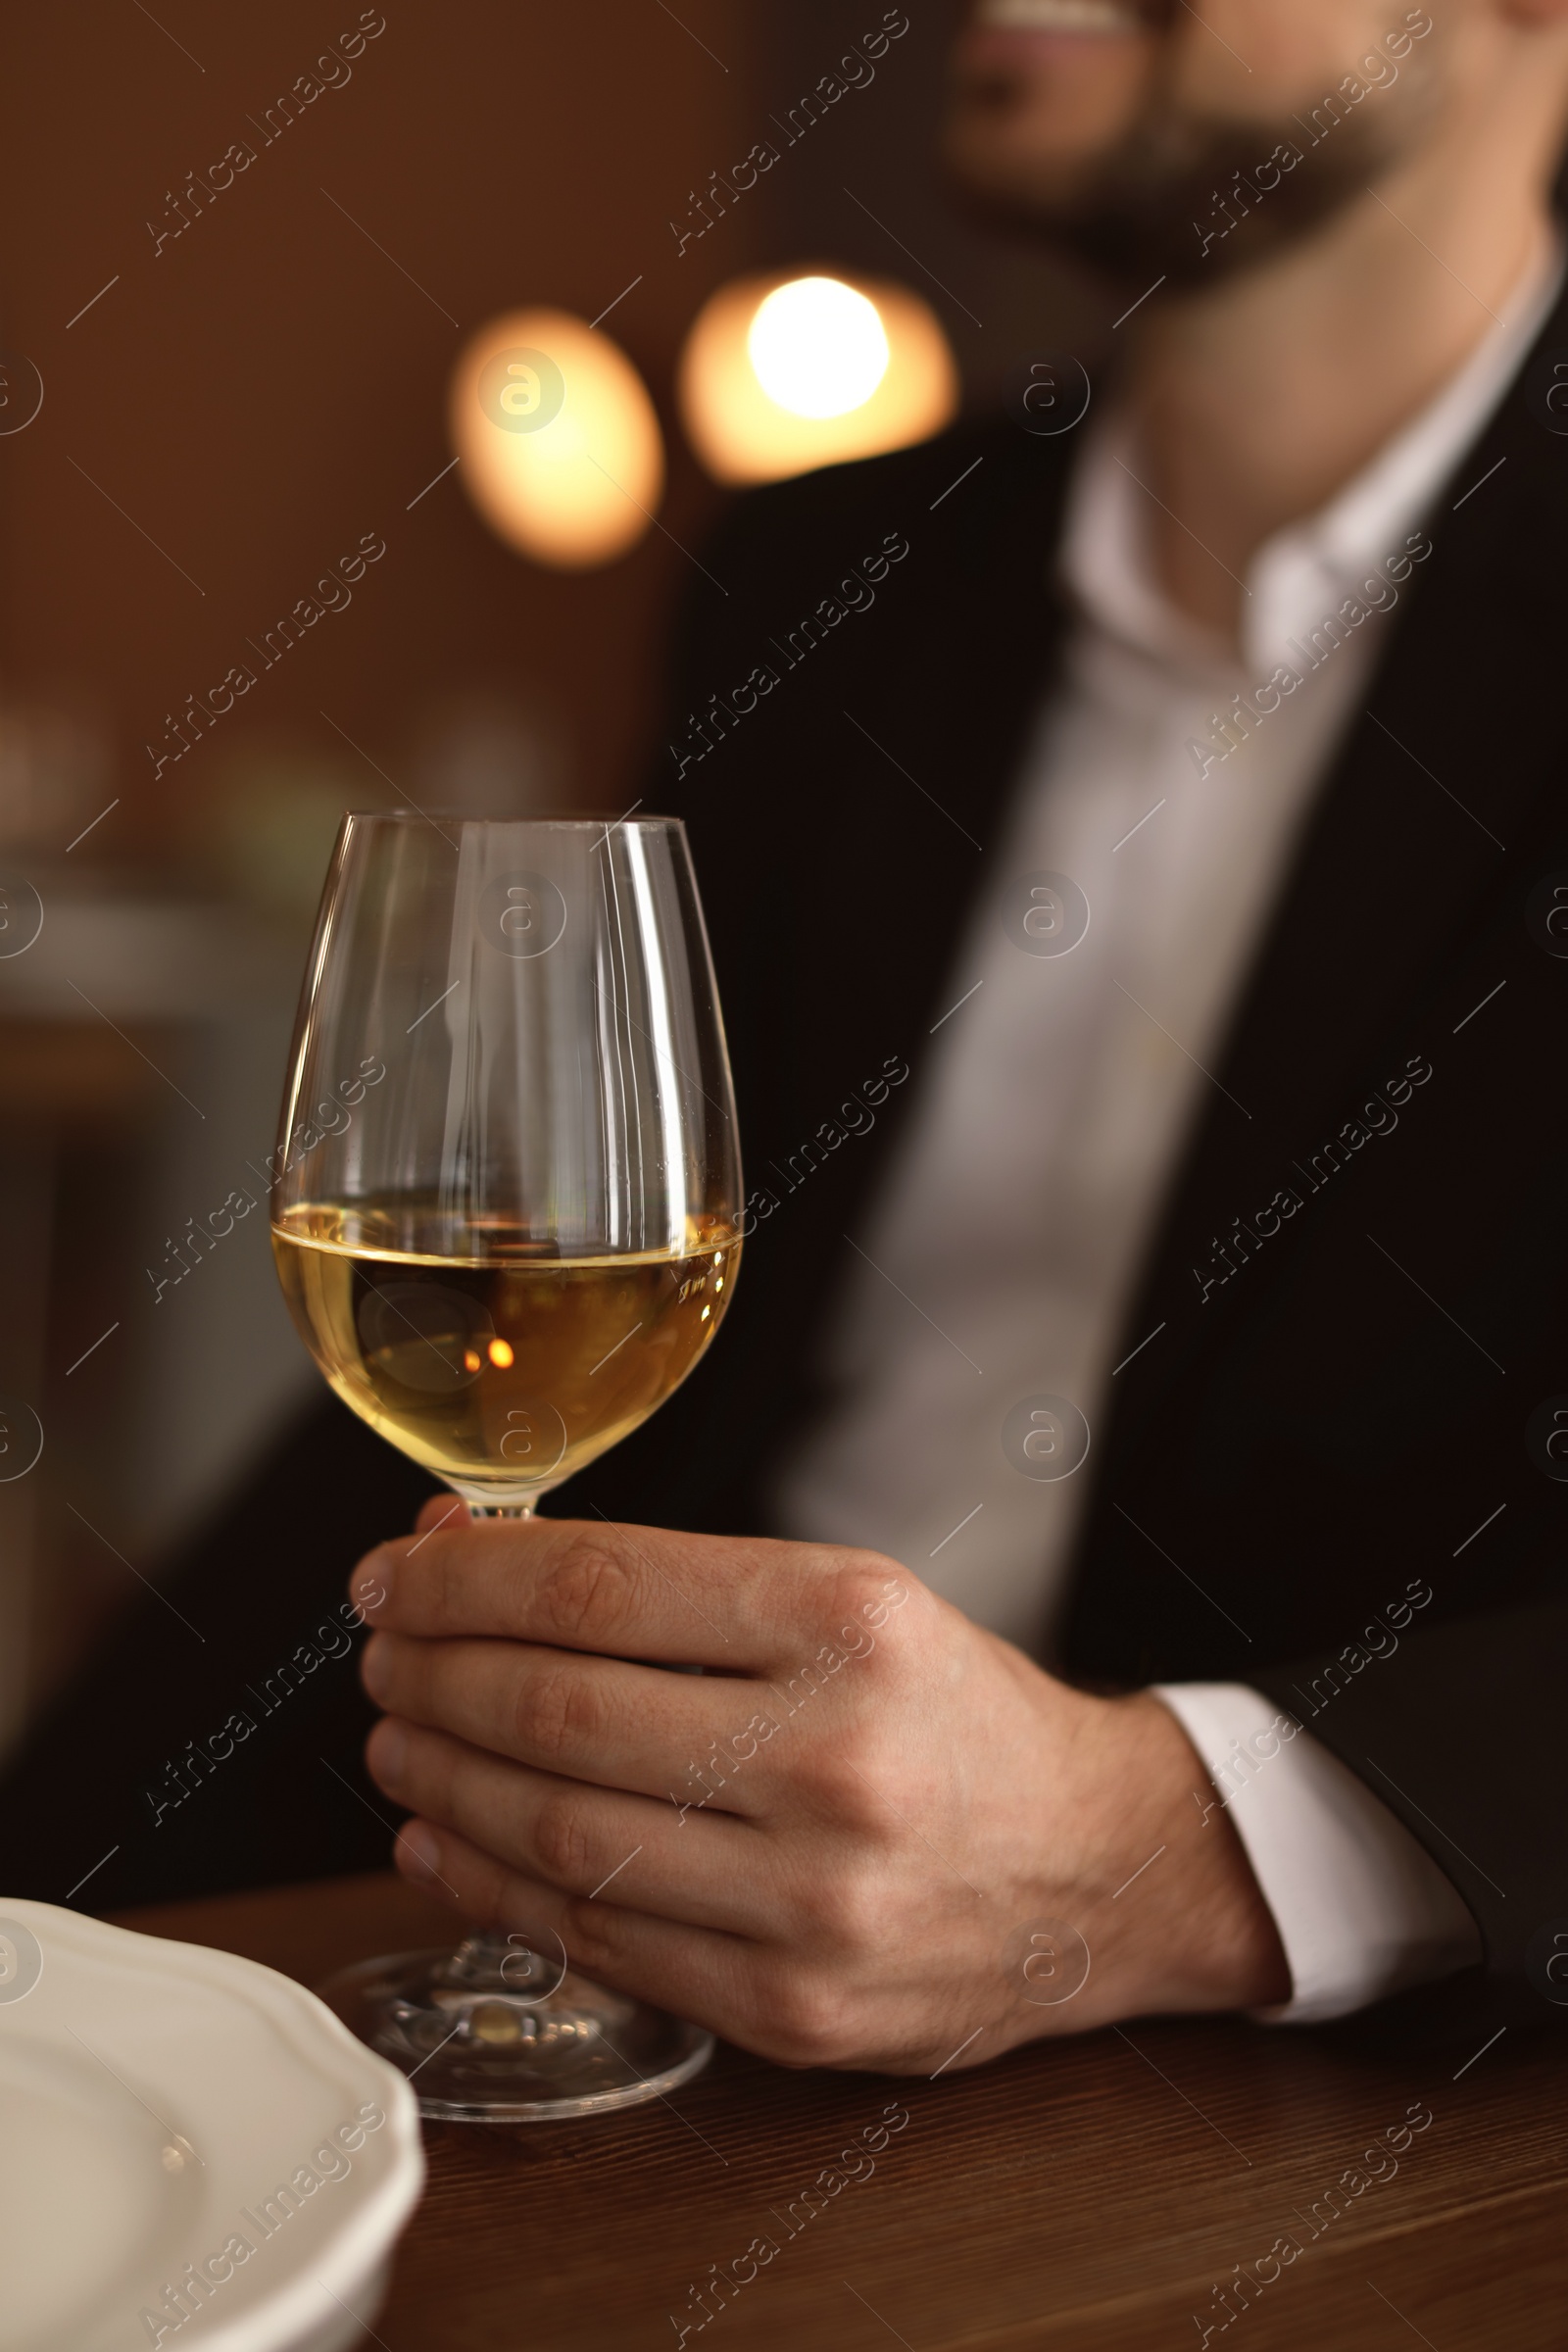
point(419, 1854)
point(375, 1667)
point(388, 1753)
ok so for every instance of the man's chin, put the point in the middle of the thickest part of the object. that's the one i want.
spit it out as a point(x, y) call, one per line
point(1121, 255)
point(1112, 245)
point(1154, 211)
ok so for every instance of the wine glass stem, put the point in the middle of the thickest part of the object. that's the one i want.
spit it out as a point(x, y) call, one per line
point(487, 1948)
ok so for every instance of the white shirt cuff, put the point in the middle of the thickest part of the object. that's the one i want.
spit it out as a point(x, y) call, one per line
point(1361, 1908)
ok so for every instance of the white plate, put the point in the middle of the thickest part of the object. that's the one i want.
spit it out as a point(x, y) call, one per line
point(170, 2114)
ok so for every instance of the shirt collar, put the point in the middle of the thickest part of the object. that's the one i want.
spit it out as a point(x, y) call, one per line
point(1305, 569)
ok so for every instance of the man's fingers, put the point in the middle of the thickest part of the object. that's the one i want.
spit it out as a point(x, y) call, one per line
point(631, 1591)
point(688, 1971)
point(706, 1871)
point(618, 1726)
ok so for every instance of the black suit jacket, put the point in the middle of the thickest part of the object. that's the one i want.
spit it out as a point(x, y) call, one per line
point(1356, 1282)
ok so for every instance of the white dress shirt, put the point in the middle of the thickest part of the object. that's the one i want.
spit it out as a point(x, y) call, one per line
point(999, 1261)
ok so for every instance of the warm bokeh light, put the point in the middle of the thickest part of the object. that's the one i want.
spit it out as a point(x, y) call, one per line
point(797, 369)
point(561, 449)
point(501, 1355)
point(818, 348)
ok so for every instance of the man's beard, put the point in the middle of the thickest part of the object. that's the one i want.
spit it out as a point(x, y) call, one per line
point(1180, 196)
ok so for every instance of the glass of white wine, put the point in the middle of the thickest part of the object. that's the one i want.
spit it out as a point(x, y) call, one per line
point(505, 1216)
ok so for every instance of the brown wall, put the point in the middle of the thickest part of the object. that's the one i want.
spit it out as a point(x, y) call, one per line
point(269, 384)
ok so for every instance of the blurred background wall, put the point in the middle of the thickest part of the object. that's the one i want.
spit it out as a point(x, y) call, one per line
point(243, 381)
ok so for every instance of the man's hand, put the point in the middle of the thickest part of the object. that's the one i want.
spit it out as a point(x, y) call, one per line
point(872, 1834)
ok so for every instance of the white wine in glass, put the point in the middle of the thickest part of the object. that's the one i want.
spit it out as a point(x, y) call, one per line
point(506, 1218)
point(495, 1368)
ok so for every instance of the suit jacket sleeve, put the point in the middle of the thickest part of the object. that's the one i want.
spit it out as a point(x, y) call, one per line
point(1464, 1743)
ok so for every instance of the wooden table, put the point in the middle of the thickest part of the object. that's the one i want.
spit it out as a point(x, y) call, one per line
point(1088, 2194)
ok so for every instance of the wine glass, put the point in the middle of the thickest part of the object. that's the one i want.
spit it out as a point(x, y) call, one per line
point(506, 1215)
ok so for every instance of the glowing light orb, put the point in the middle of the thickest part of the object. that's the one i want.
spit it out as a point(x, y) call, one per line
point(818, 347)
point(782, 373)
point(559, 446)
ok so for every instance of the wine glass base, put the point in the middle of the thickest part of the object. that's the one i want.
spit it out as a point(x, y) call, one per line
point(484, 2055)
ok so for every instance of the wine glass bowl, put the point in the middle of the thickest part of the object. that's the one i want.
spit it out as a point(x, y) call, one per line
point(505, 1217)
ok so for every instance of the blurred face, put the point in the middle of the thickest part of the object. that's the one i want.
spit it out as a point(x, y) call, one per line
point(1117, 128)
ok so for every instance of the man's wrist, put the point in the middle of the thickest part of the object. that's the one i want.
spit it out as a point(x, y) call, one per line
point(1186, 1927)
